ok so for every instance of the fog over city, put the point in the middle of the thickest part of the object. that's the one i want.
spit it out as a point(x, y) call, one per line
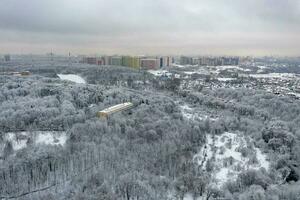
point(234, 27)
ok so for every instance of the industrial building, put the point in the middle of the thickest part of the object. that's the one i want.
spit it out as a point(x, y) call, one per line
point(111, 110)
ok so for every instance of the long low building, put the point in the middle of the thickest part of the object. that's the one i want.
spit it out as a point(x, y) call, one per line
point(117, 108)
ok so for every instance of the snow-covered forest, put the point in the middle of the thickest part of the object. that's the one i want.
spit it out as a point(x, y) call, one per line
point(177, 142)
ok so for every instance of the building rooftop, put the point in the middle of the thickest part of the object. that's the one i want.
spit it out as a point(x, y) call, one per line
point(117, 108)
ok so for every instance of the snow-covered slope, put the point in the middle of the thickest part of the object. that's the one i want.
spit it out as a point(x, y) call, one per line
point(72, 77)
point(227, 155)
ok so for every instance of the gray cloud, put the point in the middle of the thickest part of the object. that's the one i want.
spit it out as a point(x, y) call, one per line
point(142, 26)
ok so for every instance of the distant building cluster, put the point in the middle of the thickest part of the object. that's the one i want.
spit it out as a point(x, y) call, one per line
point(12, 73)
point(7, 58)
point(208, 61)
point(137, 62)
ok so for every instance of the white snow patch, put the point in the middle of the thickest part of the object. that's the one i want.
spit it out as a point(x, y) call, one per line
point(177, 75)
point(294, 94)
point(226, 79)
point(199, 71)
point(262, 67)
point(271, 75)
point(92, 105)
point(51, 138)
point(260, 71)
point(72, 77)
point(233, 67)
point(17, 143)
point(160, 73)
point(19, 139)
point(190, 197)
point(179, 66)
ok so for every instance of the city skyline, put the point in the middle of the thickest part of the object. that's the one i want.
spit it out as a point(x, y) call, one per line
point(268, 27)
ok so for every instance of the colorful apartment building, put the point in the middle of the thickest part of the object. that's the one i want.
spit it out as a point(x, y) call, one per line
point(150, 63)
point(131, 61)
point(135, 62)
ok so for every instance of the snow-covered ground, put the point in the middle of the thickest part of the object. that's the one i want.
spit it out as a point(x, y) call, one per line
point(179, 66)
point(72, 77)
point(190, 114)
point(160, 72)
point(231, 67)
point(19, 143)
point(199, 71)
point(229, 154)
point(183, 66)
point(217, 69)
point(19, 140)
point(226, 79)
point(51, 138)
point(206, 70)
point(271, 75)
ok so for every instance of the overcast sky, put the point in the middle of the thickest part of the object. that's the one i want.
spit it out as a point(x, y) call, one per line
point(231, 27)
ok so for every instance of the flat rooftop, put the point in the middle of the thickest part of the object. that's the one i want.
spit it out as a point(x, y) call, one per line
point(117, 107)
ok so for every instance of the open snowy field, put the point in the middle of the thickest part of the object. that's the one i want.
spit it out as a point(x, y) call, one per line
point(72, 77)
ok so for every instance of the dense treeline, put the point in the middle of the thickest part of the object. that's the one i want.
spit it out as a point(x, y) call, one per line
point(152, 142)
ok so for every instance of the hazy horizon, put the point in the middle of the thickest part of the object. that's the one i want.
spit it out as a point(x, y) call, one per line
point(250, 27)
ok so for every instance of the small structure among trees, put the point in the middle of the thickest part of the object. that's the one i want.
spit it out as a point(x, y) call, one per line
point(117, 108)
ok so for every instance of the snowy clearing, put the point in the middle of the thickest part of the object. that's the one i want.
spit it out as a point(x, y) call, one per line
point(17, 143)
point(51, 138)
point(72, 77)
point(19, 140)
point(229, 154)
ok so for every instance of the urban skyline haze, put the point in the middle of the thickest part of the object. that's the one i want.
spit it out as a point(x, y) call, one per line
point(233, 27)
